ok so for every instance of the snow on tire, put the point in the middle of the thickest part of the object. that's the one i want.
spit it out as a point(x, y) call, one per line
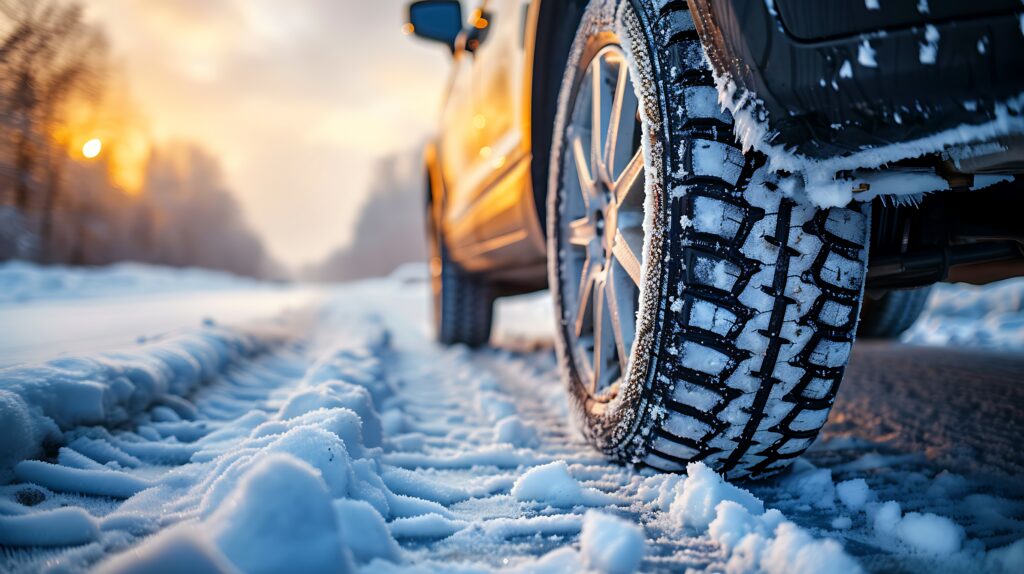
point(749, 298)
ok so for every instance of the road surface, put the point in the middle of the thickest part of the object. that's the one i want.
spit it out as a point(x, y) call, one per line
point(466, 458)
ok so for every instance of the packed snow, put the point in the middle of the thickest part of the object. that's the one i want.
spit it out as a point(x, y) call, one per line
point(21, 281)
point(89, 310)
point(339, 439)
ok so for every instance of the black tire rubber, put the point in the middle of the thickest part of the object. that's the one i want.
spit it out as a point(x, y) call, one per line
point(463, 303)
point(750, 299)
point(893, 313)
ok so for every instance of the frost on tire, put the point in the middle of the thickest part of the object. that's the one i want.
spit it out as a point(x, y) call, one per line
point(750, 298)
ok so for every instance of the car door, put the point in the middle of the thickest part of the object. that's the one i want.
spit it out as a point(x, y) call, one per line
point(491, 220)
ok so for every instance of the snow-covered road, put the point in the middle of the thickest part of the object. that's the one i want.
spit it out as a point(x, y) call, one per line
point(337, 437)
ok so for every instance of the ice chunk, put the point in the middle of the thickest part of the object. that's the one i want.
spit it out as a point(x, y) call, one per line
point(610, 544)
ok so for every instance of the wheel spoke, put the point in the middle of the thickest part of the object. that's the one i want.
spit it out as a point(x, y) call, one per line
point(632, 178)
point(583, 298)
point(587, 186)
point(619, 295)
point(597, 116)
point(624, 255)
point(582, 232)
point(601, 332)
point(616, 117)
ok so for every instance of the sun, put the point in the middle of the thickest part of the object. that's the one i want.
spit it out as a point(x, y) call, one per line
point(92, 148)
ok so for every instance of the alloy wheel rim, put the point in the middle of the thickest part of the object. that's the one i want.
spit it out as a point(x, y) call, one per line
point(601, 223)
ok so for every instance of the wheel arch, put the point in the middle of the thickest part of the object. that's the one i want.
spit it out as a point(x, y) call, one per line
point(434, 189)
point(553, 32)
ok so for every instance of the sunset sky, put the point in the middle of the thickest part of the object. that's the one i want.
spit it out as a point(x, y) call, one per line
point(297, 98)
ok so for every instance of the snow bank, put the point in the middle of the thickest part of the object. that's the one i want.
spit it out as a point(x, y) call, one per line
point(39, 402)
point(22, 282)
point(990, 316)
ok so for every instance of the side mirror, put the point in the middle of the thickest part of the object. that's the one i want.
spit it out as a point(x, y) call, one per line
point(436, 20)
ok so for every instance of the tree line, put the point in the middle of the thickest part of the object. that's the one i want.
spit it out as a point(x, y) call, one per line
point(56, 206)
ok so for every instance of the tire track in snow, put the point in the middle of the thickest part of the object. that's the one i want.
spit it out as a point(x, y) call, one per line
point(469, 474)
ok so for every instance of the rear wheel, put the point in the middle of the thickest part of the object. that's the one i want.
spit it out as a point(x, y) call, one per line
point(463, 303)
point(888, 316)
point(702, 314)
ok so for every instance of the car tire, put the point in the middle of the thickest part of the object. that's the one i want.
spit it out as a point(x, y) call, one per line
point(890, 315)
point(463, 303)
point(746, 301)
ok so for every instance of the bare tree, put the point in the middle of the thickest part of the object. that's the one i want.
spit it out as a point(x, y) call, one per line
point(49, 55)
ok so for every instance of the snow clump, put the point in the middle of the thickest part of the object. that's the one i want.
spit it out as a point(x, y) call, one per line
point(698, 496)
point(610, 544)
point(753, 538)
point(927, 534)
point(552, 484)
point(854, 494)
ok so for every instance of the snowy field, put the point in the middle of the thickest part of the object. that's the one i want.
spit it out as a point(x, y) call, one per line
point(189, 422)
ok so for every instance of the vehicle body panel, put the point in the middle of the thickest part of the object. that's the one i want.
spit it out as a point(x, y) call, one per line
point(807, 61)
point(489, 218)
